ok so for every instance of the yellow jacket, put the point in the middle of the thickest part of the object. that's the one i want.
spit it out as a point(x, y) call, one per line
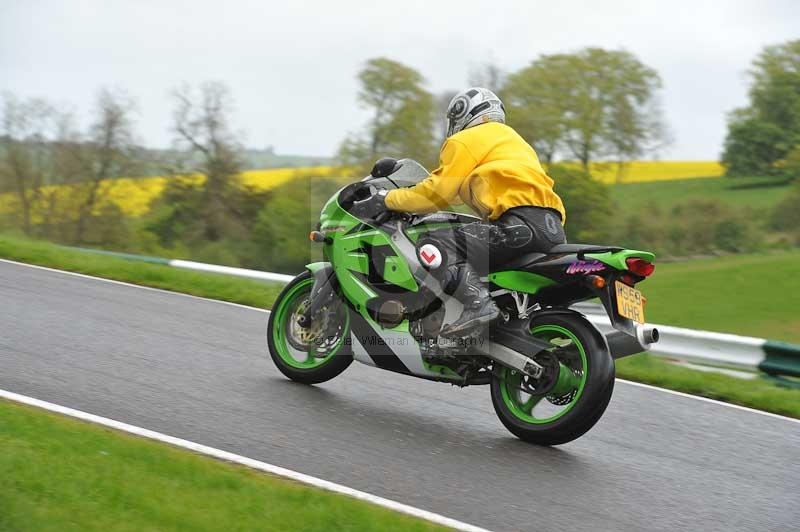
point(488, 167)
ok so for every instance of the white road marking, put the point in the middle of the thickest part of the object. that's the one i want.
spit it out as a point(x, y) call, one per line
point(242, 460)
point(123, 283)
point(707, 400)
point(648, 386)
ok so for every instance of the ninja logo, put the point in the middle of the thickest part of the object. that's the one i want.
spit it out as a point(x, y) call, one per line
point(585, 266)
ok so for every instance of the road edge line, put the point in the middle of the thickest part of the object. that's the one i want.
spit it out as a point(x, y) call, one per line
point(709, 400)
point(242, 460)
point(124, 283)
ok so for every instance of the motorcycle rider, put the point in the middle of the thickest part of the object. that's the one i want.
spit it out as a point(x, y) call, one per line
point(486, 165)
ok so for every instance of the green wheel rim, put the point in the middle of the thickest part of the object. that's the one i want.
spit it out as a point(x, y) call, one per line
point(523, 407)
point(283, 313)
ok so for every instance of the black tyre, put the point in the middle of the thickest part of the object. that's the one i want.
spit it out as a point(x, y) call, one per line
point(579, 389)
point(308, 355)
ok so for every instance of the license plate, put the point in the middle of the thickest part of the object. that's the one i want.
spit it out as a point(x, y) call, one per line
point(630, 303)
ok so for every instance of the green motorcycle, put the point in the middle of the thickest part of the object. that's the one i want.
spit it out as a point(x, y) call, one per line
point(374, 299)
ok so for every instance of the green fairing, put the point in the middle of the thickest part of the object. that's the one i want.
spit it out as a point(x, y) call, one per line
point(346, 254)
point(356, 261)
point(520, 281)
point(393, 272)
point(617, 259)
point(314, 267)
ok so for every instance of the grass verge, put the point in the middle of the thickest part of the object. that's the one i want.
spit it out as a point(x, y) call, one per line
point(224, 287)
point(741, 294)
point(757, 393)
point(63, 474)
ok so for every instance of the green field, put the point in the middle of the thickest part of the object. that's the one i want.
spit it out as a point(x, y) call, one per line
point(758, 193)
point(756, 295)
point(62, 474)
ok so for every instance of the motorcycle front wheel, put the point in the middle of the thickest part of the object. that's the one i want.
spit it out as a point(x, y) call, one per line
point(313, 354)
point(580, 387)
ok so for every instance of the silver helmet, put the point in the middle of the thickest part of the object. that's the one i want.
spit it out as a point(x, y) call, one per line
point(474, 106)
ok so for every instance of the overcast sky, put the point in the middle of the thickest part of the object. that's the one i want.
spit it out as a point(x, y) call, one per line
point(291, 65)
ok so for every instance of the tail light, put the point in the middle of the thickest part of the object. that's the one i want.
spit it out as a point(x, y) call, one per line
point(640, 267)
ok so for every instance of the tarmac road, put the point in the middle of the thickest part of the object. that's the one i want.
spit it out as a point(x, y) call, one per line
point(199, 370)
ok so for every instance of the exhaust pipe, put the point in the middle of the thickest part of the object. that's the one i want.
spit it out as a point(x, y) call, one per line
point(622, 344)
point(647, 335)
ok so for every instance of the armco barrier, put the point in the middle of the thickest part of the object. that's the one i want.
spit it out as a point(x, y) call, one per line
point(190, 265)
point(778, 359)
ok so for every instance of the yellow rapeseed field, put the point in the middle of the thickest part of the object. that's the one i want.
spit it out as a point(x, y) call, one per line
point(643, 171)
point(134, 196)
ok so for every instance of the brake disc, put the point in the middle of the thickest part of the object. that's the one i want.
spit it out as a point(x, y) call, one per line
point(306, 338)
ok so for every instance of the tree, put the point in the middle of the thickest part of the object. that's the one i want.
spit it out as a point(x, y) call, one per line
point(536, 107)
point(28, 129)
point(40, 146)
point(587, 203)
point(775, 91)
point(204, 136)
point(612, 111)
point(402, 116)
point(753, 146)
point(442, 102)
point(790, 164)
point(765, 131)
point(109, 150)
point(591, 103)
point(786, 216)
point(298, 203)
point(635, 126)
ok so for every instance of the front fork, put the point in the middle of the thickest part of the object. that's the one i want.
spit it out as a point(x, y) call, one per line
point(326, 285)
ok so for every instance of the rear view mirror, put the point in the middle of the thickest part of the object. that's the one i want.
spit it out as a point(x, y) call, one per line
point(385, 167)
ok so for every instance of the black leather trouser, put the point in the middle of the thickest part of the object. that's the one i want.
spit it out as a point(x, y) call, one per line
point(485, 246)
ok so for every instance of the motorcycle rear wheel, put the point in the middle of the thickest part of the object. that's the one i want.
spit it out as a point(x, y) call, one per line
point(579, 397)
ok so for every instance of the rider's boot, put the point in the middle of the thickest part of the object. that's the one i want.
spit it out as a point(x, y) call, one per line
point(479, 308)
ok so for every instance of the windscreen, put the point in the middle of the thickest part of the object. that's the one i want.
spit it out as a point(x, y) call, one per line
point(410, 173)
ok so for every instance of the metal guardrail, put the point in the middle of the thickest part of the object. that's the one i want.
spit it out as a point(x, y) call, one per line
point(190, 265)
point(228, 270)
point(711, 349)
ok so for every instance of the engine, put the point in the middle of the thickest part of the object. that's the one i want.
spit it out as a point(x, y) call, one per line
point(426, 331)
